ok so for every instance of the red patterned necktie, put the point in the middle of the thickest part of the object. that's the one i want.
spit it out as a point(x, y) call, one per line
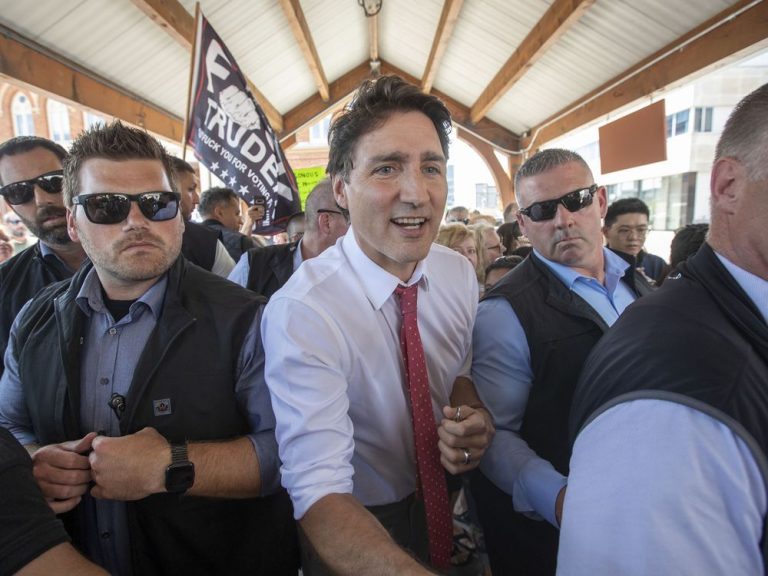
point(431, 475)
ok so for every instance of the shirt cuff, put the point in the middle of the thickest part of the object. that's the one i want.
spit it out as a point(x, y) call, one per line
point(536, 490)
point(265, 446)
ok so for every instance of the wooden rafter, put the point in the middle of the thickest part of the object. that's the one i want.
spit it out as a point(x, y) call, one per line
point(300, 29)
point(373, 36)
point(560, 16)
point(176, 21)
point(485, 129)
point(448, 18)
point(314, 107)
point(731, 31)
point(24, 61)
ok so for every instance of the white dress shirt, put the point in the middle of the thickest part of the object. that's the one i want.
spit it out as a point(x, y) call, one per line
point(335, 371)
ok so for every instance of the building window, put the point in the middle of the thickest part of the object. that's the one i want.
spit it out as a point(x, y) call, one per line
point(678, 123)
point(486, 197)
point(58, 122)
point(90, 120)
point(450, 199)
point(21, 110)
point(681, 122)
point(703, 120)
point(318, 133)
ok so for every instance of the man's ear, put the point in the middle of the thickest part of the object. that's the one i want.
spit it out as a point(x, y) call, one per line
point(71, 228)
point(727, 183)
point(340, 191)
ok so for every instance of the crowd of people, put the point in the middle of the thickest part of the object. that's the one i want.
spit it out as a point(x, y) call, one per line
point(192, 402)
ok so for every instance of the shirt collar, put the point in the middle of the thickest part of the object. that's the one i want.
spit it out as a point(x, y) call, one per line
point(377, 283)
point(48, 253)
point(90, 298)
point(755, 287)
point(614, 266)
point(297, 257)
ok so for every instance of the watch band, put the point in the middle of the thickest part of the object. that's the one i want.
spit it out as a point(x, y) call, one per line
point(179, 452)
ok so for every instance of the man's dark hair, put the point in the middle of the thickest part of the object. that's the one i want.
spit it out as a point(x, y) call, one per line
point(687, 242)
point(625, 206)
point(374, 102)
point(544, 161)
point(745, 136)
point(22, 144)
point(214, 197)
point(509, 232)
point(503, 262)
point(113, 141)
point(179, 165)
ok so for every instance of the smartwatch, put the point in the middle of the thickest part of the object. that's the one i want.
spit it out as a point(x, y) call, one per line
point(180, 475)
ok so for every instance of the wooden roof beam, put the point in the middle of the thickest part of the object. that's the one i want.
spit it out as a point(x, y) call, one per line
point(736, 28)
point(448, 18)
point(300, 29)
point(180, 24)
point(373, 37)
point(314, 107)
point(485, 129)
point(557, 20)
point(27, 62)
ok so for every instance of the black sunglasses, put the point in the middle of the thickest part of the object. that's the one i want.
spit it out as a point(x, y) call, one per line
point(110, 208)
point(24, 191)
point(573, 201)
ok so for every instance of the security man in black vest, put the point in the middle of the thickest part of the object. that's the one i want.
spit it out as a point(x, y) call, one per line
point(533, 331)
point(264, 270)
point(138, 386)
point(672, 406)
point(31, 178)
point(200, 244)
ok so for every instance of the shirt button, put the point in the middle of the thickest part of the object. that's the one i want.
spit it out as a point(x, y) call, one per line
point(112, 331)
point(106, 535)
point(104, 381)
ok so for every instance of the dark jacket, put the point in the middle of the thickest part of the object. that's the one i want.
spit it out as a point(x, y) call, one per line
point(270, 267)
point(21, 277)
point(710, 349)
point(234, 242)
point(561, 329)
point(190, 358)
point(198, 244)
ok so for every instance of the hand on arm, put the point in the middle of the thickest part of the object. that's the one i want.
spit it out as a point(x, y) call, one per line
point(63, 472)
point(133, 467)
point(351, 541)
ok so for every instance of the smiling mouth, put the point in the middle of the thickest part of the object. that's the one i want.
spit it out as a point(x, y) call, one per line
point(409, 223)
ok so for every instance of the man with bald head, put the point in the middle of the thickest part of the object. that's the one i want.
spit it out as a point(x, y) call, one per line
point(668, 474)
point(31, 180)
point(533, 332)
point(265, 270)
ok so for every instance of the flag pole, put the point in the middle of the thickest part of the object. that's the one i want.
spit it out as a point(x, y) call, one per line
point(193, 61)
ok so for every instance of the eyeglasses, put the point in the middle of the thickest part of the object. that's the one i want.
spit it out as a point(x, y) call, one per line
point(342, 212)
point(573, 201)
point(109, 208)
point(24, 191)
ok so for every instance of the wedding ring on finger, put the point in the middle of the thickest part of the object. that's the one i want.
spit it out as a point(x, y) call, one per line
point(467, 456)
point(457, 418)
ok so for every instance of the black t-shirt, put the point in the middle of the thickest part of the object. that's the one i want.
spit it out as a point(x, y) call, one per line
point(28, 527)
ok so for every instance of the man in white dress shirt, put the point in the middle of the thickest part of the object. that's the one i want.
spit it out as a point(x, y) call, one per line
point(334, 363)
point(668, 472)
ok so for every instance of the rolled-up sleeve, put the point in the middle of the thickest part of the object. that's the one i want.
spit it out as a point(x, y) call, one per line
point(309, 397)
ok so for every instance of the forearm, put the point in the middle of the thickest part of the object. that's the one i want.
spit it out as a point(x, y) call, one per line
point(228, 469)
point(351, 541)
point(464, 394)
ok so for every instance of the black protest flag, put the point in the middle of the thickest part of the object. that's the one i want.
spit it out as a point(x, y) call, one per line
point(232, 137)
